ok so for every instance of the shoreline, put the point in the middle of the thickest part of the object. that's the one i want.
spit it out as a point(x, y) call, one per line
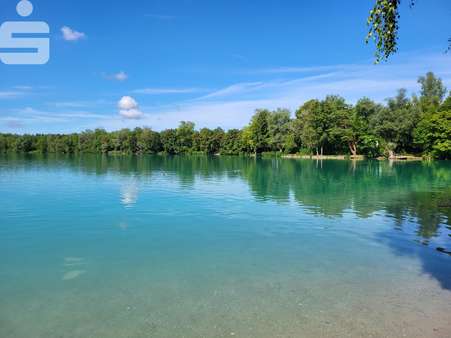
point(401, 158)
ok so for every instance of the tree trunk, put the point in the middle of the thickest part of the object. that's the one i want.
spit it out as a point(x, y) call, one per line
point(353, 149)
point(321, 151)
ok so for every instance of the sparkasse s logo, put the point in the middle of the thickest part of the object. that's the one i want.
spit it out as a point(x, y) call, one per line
point(24, 42)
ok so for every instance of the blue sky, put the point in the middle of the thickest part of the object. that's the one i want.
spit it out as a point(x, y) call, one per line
point(211, 62)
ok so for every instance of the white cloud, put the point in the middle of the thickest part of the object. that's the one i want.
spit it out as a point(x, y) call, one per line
point(70, 34)
point(133, 114)
point(159, 91)
point(238, 88)
point(127, 102)
point(129, 109)
point(121, 76)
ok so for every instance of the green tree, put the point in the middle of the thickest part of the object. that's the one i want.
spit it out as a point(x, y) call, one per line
point(169, 141)
point(433, 134)
point(232, 143)
point(367, 141)
point(3, 144)
point(184, 137)
point(278, 129)
point(41, 144)
point(337, 123)
point(247, 140)
point(293, 140)
point(446, 105)
point(311, 123)
point(148, 141)
point(210, 140)
point(432, 92)
point(395, 123)
point(259, 131)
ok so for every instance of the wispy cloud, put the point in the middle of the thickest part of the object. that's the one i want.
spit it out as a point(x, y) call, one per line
point(70, 34)
point(32, 120)
point(120, 76)
point(161, 91)
point(29, 114)
point(238, 88)
point(24, 88)
point(69, 104)
point(18, 91)
point(79, 104)
point(10, 94)
point(13, 123)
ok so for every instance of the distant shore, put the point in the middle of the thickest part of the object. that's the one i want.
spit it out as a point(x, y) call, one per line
point(398, 158)
point(353, 157)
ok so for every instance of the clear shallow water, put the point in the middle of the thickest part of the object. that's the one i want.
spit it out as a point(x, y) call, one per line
point(219, 247)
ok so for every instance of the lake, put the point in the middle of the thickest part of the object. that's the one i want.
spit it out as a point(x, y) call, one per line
point(154, 246)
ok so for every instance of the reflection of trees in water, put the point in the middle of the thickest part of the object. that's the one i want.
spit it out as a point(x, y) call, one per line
point(402, 190)
point(431, 210)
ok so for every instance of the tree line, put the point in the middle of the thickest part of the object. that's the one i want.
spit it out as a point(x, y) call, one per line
point(420, 125)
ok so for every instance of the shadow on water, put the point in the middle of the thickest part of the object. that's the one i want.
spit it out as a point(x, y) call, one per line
point(425, 218)
point(416, 196)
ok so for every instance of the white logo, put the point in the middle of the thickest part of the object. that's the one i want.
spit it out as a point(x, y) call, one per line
point(18, 46)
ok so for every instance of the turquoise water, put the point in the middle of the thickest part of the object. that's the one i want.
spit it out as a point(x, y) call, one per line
point(220, 247)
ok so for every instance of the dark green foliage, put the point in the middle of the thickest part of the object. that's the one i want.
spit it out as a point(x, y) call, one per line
point(446, 105)
point(278, 130)
point(259, 131)
point(311, 124)
point(169, 141)
point(432, 92)
point(395, 123)
point(433, 134)
point(148, 141)
point(418, 125)
point(184, 137)
point(210, 141)
point(232, 143)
